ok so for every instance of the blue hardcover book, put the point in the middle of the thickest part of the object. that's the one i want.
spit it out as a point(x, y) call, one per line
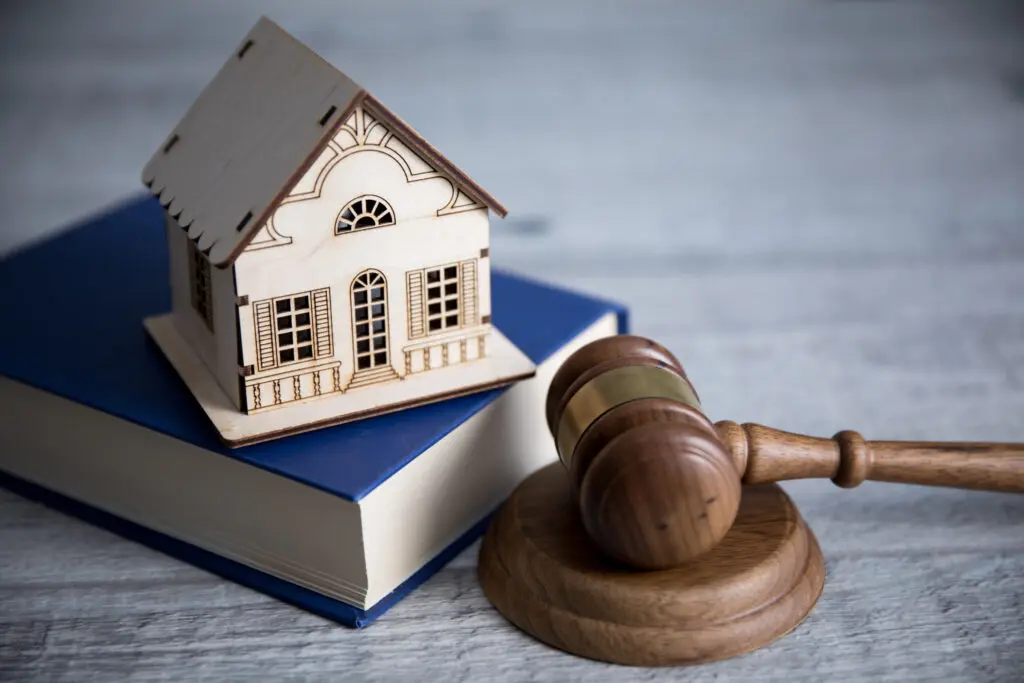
point(343, 521)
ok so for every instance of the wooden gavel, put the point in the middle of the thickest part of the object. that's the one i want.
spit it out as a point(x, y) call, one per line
point(658, 484)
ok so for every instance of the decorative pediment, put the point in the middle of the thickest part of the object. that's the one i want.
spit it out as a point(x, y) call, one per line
point(362, 132)
point(221, 173)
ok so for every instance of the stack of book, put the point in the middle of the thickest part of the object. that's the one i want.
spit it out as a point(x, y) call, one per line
point(343, 521)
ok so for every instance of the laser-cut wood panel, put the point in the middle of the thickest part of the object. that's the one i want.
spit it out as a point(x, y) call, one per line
point(295, 181)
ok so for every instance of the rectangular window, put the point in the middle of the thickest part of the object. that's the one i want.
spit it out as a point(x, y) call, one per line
point(443, 311)
point(442, 298)
point(200, 285)
point(293, 328)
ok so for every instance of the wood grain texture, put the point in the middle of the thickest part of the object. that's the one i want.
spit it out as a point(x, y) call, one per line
point(591, 360)
point(654, 483)
point(762, 454)
point(540, 569)
point(816, 205)
point(657, 484)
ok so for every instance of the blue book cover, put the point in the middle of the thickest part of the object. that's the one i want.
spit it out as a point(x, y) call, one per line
point(95, 282)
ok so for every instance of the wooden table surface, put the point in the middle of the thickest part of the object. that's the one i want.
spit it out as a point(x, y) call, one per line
point(818, 205)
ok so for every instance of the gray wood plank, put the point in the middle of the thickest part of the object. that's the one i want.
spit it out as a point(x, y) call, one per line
point(818, 206)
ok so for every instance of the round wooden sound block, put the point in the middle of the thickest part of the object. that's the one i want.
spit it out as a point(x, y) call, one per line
point(541, 571)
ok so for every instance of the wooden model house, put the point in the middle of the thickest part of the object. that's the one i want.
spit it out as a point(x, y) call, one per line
point(326, 262)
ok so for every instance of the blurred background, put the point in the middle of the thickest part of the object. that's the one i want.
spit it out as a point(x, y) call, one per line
point(818, 205)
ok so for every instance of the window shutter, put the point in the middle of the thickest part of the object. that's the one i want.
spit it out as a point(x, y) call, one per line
point(322, 322)
point(264, 334)
point(414, 281)
point(467, 286)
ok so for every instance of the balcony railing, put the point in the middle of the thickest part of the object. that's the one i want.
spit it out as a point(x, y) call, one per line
point(440, 352)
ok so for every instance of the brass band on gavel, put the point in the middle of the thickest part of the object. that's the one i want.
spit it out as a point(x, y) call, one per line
point(613, 388)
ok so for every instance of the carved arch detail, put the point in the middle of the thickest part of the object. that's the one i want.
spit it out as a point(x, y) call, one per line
point(268, 237)
point(362, 133)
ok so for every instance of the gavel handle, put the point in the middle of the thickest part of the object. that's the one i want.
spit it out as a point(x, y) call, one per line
point(762, 455)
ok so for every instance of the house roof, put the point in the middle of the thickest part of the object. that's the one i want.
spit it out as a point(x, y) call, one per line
point(252, 133)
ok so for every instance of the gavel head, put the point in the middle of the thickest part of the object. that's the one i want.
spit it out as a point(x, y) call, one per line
point(655, 484)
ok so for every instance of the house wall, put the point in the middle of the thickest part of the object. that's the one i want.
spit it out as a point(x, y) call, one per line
point(298, 251)
point(186, 320)
point(225, 315)
point(217, 348)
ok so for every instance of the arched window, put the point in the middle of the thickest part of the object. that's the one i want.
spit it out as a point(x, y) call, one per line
point(370, 320)
point(367, 211)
